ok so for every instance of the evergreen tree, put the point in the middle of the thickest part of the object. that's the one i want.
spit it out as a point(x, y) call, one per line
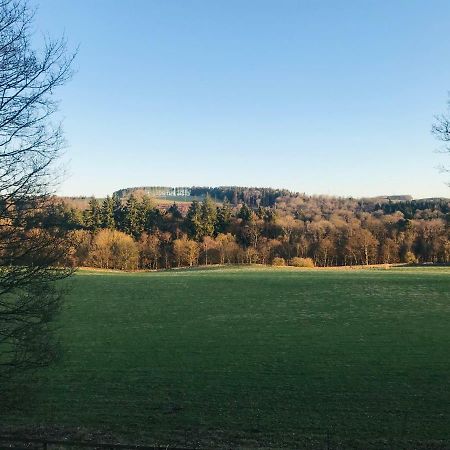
point(107, 213)
point(144, 210)
point(224, 214)
point(154, 220)
point(193, 221)
point(131, 219)
point(208, 217)
point(245, 213)
point(151, 218)
point(175, 212)
point(118, 212)
point(174, 220)
point(74, 219)
point(93, 215)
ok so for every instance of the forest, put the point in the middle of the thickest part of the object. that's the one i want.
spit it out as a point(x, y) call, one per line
point(132, 233)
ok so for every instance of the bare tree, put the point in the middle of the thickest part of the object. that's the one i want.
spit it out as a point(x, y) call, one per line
point(441, 131)
point(29, 145)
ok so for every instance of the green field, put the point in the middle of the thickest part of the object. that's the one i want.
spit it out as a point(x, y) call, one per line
point(257, 357)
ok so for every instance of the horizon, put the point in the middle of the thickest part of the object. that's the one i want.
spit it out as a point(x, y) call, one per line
point(319, 97)
point(381, 196)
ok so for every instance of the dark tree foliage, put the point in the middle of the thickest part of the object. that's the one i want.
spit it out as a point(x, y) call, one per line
point(107, 213)
point(175, 212)
point(31, 245)
point(224, 216)
point(132, 218)
point(414, 207)
point(208, 217)
point(193, 222)
point(236, 194)
point(245, 213)
point(93, 216)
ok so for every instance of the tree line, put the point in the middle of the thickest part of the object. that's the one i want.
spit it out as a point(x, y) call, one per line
point(252, 196)
point(298, 230)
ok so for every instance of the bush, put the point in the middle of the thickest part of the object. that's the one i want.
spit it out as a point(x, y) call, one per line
point(301, 262)
point(410, 258)
point(278, 262)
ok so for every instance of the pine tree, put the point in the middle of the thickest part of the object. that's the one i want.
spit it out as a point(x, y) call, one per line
point(118, 212)
point(151, 218)
point(107, 213)
point(93, 216)
point(145, 209)
point(208, 217)
point(193, 221)
point(132, 223)
point(154, 220)
point(175, 212)
point(245, 213)
point(224, 214)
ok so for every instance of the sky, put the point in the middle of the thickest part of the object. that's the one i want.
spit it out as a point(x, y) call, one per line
point(322, 97)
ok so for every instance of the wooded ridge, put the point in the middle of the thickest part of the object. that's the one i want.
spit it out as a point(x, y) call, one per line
point(139, 233)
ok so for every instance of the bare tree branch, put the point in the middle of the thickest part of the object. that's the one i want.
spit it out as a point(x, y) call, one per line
point(30, 143)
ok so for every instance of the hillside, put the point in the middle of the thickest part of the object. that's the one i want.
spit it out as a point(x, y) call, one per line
point(252, 196)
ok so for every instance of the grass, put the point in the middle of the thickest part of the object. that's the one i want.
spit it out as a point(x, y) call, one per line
point(253, 357)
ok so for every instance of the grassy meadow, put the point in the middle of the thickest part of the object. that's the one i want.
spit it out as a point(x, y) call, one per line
point(251, 357)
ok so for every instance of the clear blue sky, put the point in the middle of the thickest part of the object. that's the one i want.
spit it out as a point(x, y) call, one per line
point(322, 97)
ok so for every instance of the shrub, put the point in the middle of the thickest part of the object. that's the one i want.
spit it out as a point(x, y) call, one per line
point(278, 262)
point(302, 262)
point(410, 258)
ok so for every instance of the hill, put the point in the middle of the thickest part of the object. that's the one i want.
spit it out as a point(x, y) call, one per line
point(252, 196)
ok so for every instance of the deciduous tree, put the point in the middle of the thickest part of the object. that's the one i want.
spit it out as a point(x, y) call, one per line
point(29, 146)
point(186, 251)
